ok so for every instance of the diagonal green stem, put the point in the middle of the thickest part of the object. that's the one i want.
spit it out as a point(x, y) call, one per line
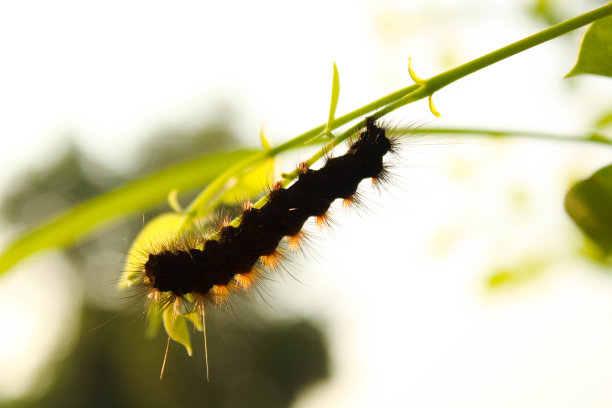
point(435, 83)
point(594, 138)
point(196, 208)
point(389, 103)
point(440, 81)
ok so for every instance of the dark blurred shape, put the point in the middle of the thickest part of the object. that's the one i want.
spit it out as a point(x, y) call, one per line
point(259, 364)
point(74, 177)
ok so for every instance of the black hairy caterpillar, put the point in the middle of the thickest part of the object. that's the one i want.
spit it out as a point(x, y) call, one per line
point(185, 274)
point(260, 231)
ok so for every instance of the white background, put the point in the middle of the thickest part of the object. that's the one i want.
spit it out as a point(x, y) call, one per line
point(401, 289)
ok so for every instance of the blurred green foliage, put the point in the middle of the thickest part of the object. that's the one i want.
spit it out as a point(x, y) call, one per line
point(138, 195)
point(257, 364)
point(253, 362)
point(589, 203)
point(554, 11)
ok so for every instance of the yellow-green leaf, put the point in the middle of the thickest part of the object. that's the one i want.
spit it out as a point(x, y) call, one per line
point(131, 197)
point(176, 327)
point(265, 143)
point(173, 201)
point(334, 97)
point(160, 229)
point(251, 184)
point(153, 323)
point(595, 55)
point(196, 319)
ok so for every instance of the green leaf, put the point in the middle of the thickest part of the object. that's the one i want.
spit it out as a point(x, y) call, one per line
point(589, 204)
point(173, 201)
point(265, 143)
point(131, 197)
point(176, 327)
point(595, 55)
point(160, 229)
point(250, 184)
point(334, 97)
point(153, 323)
point(196, 319)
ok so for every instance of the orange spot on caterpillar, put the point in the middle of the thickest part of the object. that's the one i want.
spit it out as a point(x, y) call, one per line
point(220, 295)
point(349, 202)
point(303, 167)
point(295, 241)
point(185, 274)
point(272, 261)
point(323, 221)
point(221, 291)
point(244, 281)
point(194, 265)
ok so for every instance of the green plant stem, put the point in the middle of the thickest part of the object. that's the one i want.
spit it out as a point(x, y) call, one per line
point(219, 182)
point(422, 89)
point(440, 81)
point(289, 177)
point(503, 133)
point(197, 206)
point(435, 83)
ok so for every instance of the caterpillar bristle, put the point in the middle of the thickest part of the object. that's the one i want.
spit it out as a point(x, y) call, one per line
point(184, 274)
point(297, 241)
point(303, 167)
point(220, 293)
point(323, 221)
point(272, 261)
point(245, 280)
point(349, 202)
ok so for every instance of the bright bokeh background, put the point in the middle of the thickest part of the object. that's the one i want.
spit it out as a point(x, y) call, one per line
point(402, 288)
